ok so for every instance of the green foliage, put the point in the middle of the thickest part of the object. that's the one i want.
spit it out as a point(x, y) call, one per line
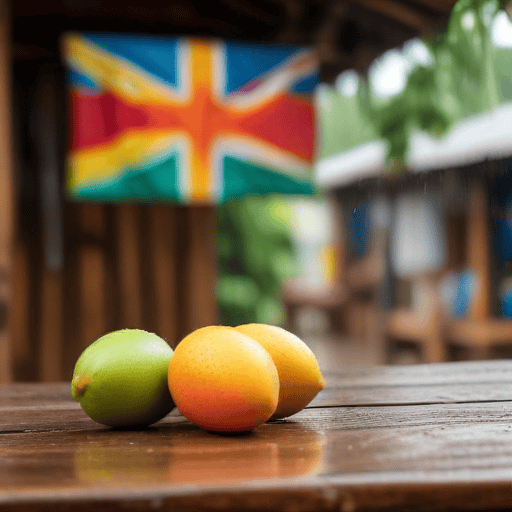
point(255, 255)
point(461, 81)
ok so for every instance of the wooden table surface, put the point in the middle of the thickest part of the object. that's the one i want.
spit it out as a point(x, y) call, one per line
point(429, 437)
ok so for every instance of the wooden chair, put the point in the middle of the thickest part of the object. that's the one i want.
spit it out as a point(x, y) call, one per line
point(422, 326)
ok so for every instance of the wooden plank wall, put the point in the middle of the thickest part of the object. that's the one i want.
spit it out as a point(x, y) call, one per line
point(125, 266)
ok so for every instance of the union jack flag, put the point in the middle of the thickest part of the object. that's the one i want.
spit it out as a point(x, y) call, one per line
point(187, 119)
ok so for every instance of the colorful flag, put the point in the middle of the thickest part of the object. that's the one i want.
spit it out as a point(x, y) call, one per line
point(189, 120)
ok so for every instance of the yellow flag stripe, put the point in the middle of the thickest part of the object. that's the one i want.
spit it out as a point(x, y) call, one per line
point(127, 80)
point(202, 75)
point(131, 150)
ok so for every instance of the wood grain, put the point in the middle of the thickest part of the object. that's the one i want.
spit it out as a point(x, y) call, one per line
point(92, 278)
point(128, 258)
point(164, 266)
point(358, 458)
point(325, 442)
point(22, 356)
point(200, 268)
point(427, 394)
point(93, 320)
point(51, 327)
point(485, 381)
point(6, 194)
point(425, 374)
point(419, 384)
point(126, 266)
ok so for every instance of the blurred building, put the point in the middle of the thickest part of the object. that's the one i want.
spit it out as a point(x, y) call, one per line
point(445, 288)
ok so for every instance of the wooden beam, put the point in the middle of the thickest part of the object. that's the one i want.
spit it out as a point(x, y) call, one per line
point(249, 9)
point(399, 12)
point(6, 194)
point(442, 6)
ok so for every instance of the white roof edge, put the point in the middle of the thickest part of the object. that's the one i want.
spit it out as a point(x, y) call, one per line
point(482, 137)
point(366, 160)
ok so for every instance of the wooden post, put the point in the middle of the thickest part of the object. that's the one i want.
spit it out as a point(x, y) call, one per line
point(478, 252)
point(51, 330)
point(23, 356)
point(6, 194)
point(434, 346)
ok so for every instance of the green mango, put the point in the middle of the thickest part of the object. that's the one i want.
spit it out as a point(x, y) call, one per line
point(120, 380)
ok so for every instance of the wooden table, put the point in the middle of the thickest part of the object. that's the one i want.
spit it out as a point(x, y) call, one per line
point(429, 437)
